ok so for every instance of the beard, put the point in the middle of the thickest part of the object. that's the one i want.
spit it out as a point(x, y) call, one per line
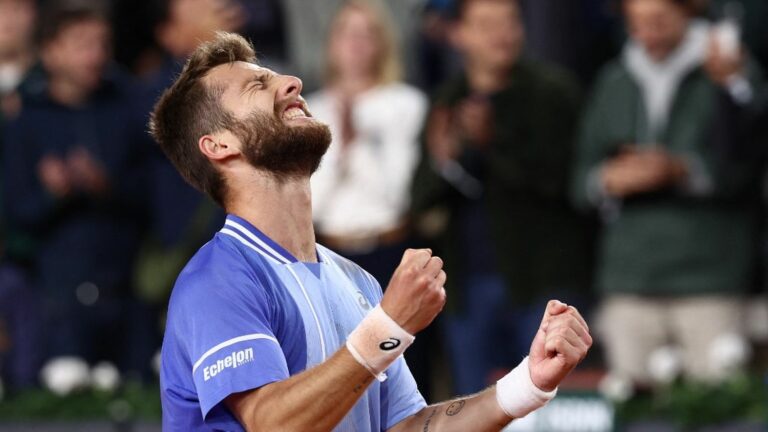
point(285, 152)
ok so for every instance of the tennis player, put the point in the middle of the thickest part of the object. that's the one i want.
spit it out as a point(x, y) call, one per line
point(269, 331)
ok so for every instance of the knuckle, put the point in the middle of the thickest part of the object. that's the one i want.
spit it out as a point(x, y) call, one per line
point(411, 271)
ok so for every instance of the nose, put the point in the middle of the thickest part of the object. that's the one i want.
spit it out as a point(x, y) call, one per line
point(291, 87)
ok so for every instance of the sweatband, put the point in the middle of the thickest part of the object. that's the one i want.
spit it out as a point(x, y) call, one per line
point(517, 395)
point(377, 342)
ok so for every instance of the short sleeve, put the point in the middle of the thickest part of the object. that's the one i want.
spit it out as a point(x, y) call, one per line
point(400, 395)
point(226, 325)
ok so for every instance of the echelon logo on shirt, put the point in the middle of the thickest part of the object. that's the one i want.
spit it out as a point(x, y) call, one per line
point(234, 360)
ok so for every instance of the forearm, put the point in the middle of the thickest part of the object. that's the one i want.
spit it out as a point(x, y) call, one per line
point(314, 400)
point(478, 413)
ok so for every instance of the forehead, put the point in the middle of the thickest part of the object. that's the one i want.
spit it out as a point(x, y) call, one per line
point(479, 8)
point(653, 5)
point(233, 73)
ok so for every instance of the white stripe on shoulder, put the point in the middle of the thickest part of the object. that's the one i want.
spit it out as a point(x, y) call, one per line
point(256, 240)
point(323, 254)
point(232, 341)
point(239, 238)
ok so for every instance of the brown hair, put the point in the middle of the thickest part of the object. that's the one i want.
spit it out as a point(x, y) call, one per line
point(693, 7)
point(189, 109)
point(60, 14)
point(460, 7)
point(388, 67)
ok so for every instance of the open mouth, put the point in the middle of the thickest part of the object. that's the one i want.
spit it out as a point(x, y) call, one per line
point(295, 111)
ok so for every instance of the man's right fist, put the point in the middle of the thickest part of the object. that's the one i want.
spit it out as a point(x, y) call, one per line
point(416, 292)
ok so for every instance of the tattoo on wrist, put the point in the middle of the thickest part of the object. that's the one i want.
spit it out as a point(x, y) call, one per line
point(360, 387)
point(429, 420)
point(455, 408)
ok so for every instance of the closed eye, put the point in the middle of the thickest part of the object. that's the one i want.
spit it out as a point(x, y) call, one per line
point(257, 82)
point(253, 85)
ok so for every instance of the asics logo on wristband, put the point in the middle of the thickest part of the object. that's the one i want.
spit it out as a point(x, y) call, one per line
point(390, 344)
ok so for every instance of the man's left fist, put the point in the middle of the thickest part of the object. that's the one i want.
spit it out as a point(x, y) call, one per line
point(560, 344)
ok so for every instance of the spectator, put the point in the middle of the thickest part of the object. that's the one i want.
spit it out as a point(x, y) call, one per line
point(497, 153)
point(74, 158)
point(182, 218)
point(17, 24)
point(306, 20)
point(680, 222)
point(20, 356)
point(360, 192)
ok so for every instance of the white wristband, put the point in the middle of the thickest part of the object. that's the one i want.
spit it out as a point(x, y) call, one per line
point(377, 342)
point(517, 395)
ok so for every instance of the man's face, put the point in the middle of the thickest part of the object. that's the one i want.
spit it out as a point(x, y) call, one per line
point(657, 25)
point(80, 53)
point(277, 132)
point(17, 23)
point(490, 33)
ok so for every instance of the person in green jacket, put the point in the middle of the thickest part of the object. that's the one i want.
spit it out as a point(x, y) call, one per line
point(495, 168)
point(680, 234)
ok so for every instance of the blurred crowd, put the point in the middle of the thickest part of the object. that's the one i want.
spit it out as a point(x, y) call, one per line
point(609, 153)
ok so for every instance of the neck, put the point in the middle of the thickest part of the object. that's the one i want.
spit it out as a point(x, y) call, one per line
point(66, 92)
point(484, 79)
point(280, 209)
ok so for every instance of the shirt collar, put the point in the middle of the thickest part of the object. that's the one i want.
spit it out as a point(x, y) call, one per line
point(257, 239)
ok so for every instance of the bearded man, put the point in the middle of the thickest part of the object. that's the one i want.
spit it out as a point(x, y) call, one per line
point(268, 330)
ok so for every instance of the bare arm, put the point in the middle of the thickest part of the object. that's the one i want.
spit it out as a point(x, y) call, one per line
point(478, 413)
point(319, 398)
point(314, 400)
point(560, 344)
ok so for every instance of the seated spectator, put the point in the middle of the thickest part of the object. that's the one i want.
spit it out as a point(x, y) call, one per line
point(74, 158)
point(678, 244)
point(492, 188)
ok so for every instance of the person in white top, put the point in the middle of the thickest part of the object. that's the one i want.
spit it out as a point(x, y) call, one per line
point(361, 191)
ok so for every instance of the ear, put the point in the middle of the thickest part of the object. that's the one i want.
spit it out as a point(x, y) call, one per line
point(218, 148)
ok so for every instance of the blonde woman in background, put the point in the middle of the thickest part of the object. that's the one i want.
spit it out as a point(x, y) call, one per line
point(361, 190)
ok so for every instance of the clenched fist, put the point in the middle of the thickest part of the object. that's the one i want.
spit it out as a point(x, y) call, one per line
point(561, 343)
point(415, 294)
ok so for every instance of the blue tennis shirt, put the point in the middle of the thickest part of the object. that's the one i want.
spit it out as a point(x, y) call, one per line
point(245, 313)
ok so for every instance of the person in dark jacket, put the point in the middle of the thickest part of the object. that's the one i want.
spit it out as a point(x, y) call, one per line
point(491, 189)
point(182, 219)
point(73, 175)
